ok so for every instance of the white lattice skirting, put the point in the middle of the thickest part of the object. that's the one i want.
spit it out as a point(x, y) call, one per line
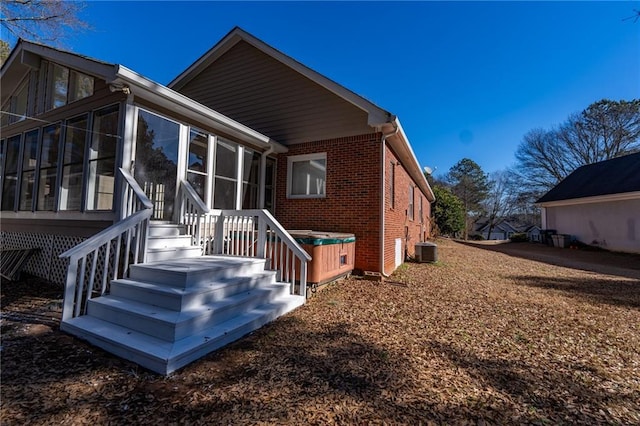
point(46, 263)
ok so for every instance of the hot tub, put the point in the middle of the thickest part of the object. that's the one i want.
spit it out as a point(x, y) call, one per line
point(332, 254)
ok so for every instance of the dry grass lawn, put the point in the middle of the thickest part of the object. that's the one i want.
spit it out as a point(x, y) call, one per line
point(485, 336)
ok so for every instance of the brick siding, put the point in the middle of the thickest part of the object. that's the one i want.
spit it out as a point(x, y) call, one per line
point(352, 201)
point(397, 221)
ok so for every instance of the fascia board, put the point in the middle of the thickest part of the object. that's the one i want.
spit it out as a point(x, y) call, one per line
point(15, 52)
point(400, 144)
point(173, 100)
point(635, 195)
point(89, 66)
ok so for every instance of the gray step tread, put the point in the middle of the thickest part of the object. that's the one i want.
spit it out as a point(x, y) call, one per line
point(173, 355)
point(172, 237)
point(195, 271)
point(214, 285)
point(169, 316)
point(200, 264)
point(168, 249)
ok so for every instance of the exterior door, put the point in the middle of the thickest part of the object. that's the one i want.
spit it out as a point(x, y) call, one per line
point(156, 162)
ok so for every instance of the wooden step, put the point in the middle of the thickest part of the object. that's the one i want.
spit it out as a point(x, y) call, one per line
point(194, 272)
point(165, 357)
point(169, 313)
point(171, 325)
point(165, 229)
point(172, 253)
point(185, 298)
point(169, 241)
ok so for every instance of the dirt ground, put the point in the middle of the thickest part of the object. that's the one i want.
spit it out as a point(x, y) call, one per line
point(490, 334)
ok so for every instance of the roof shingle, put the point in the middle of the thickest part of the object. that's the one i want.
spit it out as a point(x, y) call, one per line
point(615, 176)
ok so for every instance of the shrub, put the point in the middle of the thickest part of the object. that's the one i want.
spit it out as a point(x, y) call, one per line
point(519, 238)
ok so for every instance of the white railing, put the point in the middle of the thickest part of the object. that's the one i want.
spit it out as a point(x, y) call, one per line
point(249, 233)
point(256, 233)
point(196, 217)
point(108, 254)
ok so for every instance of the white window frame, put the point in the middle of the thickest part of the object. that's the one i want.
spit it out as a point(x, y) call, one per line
point(300, 158)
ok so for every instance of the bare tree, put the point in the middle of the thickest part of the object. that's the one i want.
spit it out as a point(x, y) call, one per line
point(635, 17)
point(502, 197)
point(611, 128)
point(521, 199)
point(47, 21)
point(541, 161)
point(605, 130)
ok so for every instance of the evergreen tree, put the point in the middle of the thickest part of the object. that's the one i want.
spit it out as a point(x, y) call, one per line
point(471, 185)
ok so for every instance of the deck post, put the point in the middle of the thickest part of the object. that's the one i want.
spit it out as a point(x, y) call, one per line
point(303, 278)
point(70, 290)
point(218, 238)
point(262, 236)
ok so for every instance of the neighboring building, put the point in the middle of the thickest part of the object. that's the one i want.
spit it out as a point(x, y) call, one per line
point(598, 204)
point(366, 179)
point(502, 230)
point(534, 233)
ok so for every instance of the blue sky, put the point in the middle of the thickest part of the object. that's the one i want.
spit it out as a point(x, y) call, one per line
point(465, 79)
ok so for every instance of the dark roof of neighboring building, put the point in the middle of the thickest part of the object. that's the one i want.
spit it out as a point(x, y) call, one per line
point(615, 176)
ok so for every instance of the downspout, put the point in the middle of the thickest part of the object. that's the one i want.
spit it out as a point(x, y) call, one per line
point(383, 192)
point(263, 174)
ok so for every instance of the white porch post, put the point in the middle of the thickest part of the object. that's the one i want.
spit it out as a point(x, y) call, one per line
point(239, 175)
point(181, 167)
point(128, 149)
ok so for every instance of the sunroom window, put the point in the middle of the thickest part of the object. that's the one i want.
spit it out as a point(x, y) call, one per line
point(29, 161)
point(48, 167)
point(102, 159)
point(197, 162)
point(65, 86)
point(226, 175)
point(15, 109)
point(157, 148)
point(19, 101)
point(33, 165)
point(80, 86)
point(72, 163)
point(250, 179)
point(307, 176)
point(10, 180)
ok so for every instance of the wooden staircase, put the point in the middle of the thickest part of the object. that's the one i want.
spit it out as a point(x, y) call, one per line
point(180, 305)
point(168, 241)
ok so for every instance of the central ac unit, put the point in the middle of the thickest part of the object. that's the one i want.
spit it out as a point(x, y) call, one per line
point(426, 252)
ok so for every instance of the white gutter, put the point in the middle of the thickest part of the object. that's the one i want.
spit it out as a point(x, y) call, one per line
point(621, 196)
point(263, 175)
point(383, 192)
